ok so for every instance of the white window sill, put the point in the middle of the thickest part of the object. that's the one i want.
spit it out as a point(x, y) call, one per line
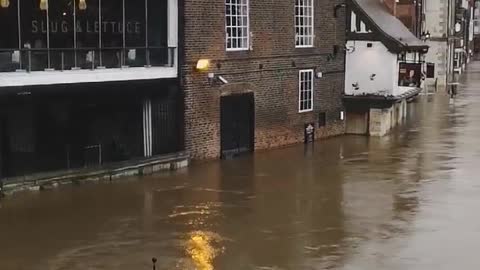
point(304, 46)
point(238, 50)
point(306, 111)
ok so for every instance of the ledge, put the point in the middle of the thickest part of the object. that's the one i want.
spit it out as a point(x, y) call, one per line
point(406, 95)
point(108, 172)
point(9, 79)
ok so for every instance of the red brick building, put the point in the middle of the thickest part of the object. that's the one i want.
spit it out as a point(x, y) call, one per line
point(275, 67)
point(409, 12)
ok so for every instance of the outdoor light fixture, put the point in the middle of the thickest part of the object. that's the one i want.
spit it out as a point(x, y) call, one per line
point(82, 4)
point(214, 78)
point(43, 4)
point(203, 65)
point(4, 3)
point(426, 36)
point(458, 27)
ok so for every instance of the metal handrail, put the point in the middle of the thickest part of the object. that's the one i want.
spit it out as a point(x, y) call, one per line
point(83, 48)
point(96, 146)
point(95, 59)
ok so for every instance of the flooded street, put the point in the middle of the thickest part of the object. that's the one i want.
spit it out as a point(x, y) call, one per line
point(405, 201)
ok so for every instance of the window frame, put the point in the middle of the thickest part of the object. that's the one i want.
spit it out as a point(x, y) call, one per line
point(300, 90)
point(247, 46)
point(304, 26)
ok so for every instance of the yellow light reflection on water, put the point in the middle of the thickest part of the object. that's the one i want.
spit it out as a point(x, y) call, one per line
point(200, 249)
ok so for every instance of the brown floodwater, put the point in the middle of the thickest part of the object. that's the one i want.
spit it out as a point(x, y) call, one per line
point(405, 201)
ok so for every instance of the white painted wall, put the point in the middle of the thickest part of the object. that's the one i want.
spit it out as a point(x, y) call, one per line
point(362, 62)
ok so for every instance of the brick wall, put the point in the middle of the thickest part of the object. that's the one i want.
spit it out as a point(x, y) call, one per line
point(392, 6)
point(406, 14)
point(269, 70)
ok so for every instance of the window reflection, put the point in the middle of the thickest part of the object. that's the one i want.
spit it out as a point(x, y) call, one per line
point(68, 34)
point(409, 74)
point(9, 38)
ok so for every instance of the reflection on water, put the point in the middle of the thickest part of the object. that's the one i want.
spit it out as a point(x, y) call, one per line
point(200, 248)
point(405, 201)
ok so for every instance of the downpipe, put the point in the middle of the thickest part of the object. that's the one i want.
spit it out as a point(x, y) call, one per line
point(2, 193)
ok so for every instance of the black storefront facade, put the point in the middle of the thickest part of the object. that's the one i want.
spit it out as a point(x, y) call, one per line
point(85, 83)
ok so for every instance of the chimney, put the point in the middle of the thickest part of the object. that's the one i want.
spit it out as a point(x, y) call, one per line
point(391, 6)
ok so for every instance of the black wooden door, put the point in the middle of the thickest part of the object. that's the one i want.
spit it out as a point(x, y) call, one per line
point(237, 124)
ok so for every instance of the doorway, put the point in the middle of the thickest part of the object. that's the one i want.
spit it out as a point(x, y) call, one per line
point(237, 124)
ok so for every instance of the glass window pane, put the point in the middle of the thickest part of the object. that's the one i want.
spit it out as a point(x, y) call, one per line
point(87, 37)
point(158, 23)
point(9, 38)
point(135, 32)
point(9, 29)
point(61, 24)
point(112, 24)
point(34, 30)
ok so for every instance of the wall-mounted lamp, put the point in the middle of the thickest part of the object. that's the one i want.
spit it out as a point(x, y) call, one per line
point(336, 8)
point(319, 74)
point(458, 27)
point(425, 36)
point(82, 4)
point(213, 78)
point(4, 3)
point(43, 4)
point(372, 77)
point(202, 65)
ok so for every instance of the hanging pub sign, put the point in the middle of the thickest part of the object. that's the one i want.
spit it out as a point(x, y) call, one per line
point(309, 133)
point(409, 74)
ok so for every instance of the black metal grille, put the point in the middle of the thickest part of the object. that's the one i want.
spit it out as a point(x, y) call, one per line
point(56, 131)
point(165, 120)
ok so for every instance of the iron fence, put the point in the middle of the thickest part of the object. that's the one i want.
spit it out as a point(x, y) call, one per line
point(43, 59)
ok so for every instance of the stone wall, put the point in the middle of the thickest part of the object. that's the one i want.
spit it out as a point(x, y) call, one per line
point(381, 121)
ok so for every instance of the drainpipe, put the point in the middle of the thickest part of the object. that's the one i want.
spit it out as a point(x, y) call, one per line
point(450, 19)
point(1, 188)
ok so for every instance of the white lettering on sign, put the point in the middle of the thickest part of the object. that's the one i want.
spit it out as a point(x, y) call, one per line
point(131, 27)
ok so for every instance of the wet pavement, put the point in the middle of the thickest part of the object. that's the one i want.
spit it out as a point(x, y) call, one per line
point(405, 201)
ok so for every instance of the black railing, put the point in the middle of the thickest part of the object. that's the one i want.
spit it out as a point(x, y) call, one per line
point(44, 59)
point(93, 155)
